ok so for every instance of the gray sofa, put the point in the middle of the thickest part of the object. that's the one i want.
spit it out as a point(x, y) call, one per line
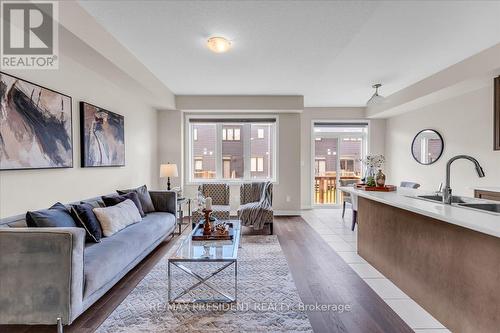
point(50, 275)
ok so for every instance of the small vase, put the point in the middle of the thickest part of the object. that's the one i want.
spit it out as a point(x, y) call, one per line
point(380, 178)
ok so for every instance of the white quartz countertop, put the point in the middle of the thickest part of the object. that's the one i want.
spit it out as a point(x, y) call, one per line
point(487, 223)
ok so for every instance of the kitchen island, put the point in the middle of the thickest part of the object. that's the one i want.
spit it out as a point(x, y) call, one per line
point(445, 257)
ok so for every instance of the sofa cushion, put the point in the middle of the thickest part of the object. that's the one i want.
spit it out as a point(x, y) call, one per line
point(105, 260)
point(117, 217)
point(56, 216)
point(113, 199)
point(85, 218)
point(144, 198)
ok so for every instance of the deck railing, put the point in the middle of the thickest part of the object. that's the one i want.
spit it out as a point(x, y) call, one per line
point(325, 188)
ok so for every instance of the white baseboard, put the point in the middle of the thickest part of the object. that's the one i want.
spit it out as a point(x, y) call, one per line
point(287, 213)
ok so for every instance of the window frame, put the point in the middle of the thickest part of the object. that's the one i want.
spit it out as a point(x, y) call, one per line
point(189, 158)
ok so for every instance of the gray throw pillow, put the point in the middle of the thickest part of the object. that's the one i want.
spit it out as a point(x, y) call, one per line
point(144, 198)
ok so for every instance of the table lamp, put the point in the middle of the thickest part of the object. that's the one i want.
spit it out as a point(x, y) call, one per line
point(168, 170)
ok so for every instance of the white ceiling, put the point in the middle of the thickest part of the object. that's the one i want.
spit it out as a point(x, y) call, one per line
point(329, 51)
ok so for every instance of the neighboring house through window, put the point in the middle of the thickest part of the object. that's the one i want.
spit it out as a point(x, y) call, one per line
point(225, 150)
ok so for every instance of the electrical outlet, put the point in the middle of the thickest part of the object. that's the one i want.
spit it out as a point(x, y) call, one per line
point(288, 198)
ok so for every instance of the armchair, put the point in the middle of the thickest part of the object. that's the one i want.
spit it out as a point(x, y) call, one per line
point(256, 201)
point(220, 202)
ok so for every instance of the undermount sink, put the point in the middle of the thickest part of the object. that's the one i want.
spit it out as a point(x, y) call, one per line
point(489, 207)
point(464, 202)
point(438, 198)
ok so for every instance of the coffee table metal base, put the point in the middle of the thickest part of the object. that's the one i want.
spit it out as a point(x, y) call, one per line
point(225, 297)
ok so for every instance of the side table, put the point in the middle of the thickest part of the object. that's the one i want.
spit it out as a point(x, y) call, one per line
point(181, 203)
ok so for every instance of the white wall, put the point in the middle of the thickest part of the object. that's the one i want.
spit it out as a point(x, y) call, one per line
point(376, 139)
point(87, 76)
point(171, 144)
point(466, 124)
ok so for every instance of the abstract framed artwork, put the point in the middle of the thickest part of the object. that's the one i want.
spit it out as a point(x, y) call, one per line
point(496, 117)
point(35, 126)
point(102, 135)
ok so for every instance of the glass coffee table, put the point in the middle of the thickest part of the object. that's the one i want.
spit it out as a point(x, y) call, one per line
point(200, 262)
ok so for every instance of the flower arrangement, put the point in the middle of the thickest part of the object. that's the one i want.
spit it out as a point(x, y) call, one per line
point(373, 161)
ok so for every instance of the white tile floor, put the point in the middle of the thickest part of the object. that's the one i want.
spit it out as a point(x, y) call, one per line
point(337, 233)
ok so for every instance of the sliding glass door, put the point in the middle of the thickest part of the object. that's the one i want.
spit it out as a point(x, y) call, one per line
point(337, 152)
point(325, 169)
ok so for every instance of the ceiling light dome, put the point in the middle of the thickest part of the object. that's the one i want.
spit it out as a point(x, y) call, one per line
point(218, 44)
point(376, 98)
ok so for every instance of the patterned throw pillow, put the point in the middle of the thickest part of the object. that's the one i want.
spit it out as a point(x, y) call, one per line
point(117, 217)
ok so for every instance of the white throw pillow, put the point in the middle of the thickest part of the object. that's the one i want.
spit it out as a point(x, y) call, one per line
point(117, 217)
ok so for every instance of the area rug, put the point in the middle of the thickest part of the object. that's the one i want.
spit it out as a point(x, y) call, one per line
point(267, 299)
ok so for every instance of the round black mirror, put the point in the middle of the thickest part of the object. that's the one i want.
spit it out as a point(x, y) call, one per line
point(427, 146)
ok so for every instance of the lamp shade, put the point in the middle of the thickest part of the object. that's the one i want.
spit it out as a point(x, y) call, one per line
point(168, 170)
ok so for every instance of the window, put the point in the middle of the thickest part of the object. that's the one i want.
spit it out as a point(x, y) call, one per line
point(347, 164)
point(257, 164)
point(320, 166)
point(203, 151)
point(260, 164)
point(198, 164)
point(231, 134)
point(225, 150)
point(226, 167)
point(264, 149)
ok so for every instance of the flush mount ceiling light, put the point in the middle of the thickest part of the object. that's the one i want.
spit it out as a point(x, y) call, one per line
point(218, 44)
point(376, 98)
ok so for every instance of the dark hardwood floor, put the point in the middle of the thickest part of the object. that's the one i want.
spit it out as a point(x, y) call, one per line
point(320, 275)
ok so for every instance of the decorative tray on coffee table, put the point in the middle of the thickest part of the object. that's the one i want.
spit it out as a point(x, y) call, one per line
point(215, 235)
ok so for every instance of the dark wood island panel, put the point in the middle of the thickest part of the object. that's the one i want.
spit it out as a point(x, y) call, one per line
point(451, 271)
point(488, 195)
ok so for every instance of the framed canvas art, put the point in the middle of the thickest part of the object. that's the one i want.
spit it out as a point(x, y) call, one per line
point(35, 126)
point(102, 137)
point(496, 117)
